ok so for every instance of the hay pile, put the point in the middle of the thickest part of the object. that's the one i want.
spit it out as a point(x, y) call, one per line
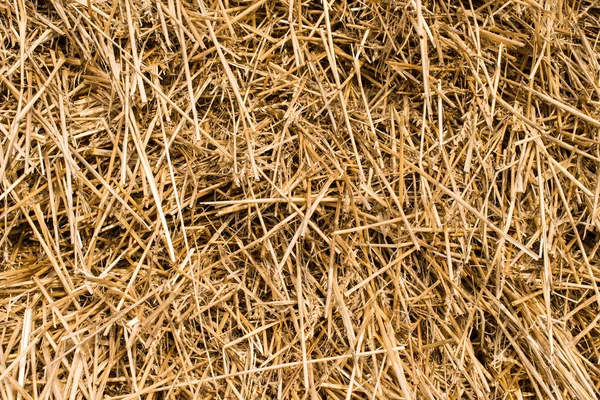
point(372, 199)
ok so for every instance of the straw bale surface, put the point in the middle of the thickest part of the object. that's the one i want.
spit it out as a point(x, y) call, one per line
point(297, 199)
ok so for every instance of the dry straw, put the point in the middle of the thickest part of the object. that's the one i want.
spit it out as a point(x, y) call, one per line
point(370, 199)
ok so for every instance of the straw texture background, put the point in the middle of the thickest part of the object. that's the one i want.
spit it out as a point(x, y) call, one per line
point(372, 199)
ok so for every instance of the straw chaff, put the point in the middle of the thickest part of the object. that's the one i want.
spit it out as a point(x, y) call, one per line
point(263, 199)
